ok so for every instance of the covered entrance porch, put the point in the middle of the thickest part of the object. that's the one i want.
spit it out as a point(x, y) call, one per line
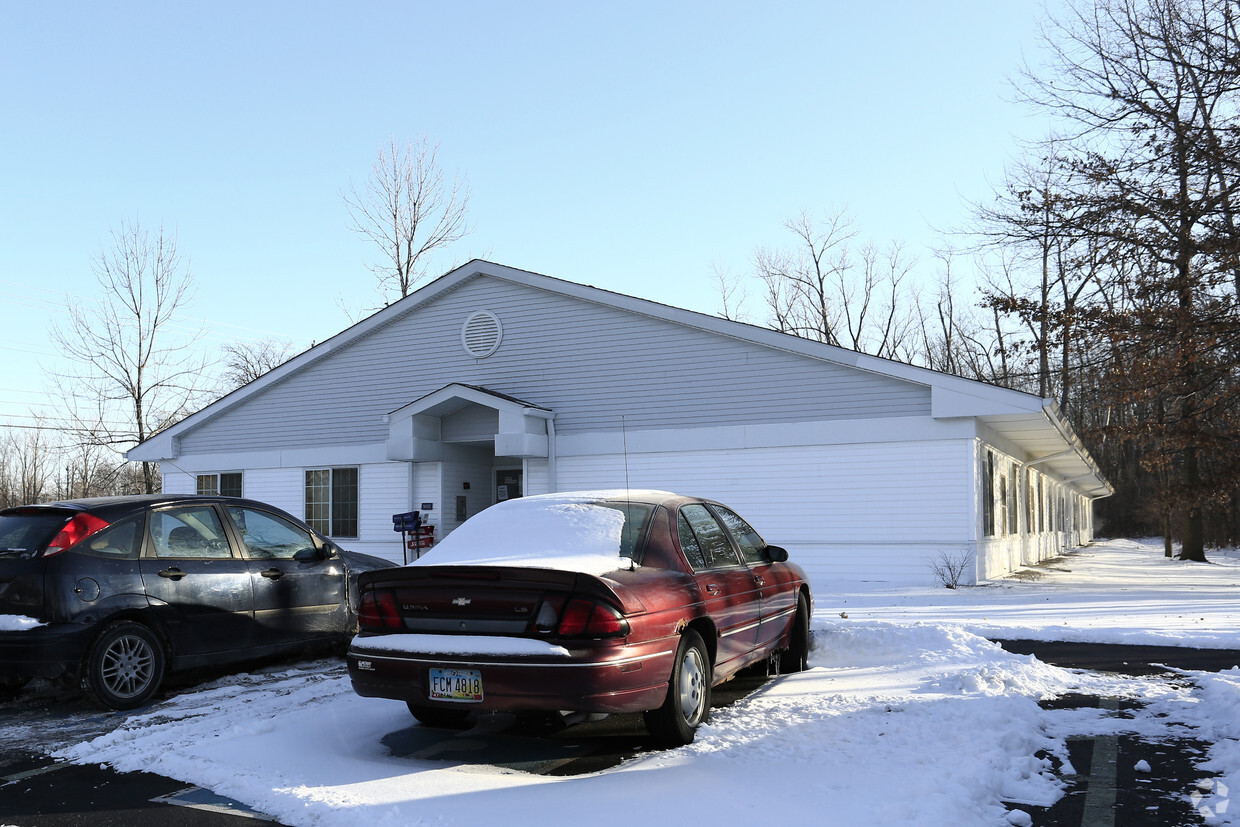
point(469, 448)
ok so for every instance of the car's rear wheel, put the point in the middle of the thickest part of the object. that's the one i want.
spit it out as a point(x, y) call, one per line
point(796, 657)
point(437, 716)
point(125, 666)
point(688, 694)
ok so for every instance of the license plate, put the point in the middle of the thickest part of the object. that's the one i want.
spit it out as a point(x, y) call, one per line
point(463, 685)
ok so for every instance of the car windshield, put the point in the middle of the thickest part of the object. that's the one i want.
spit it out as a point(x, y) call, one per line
point(24, 531)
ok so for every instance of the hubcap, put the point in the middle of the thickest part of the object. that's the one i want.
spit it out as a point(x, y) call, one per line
point(128, 666)
point(692, 687)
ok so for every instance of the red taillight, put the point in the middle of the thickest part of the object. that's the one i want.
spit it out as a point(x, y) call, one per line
point(586, 618)
point(79, 528)
point(378, 612)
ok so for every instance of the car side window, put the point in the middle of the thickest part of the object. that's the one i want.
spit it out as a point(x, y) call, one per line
point(689, 544)
point(711, 540)
point(120, 541)
point(747, 540)
point(267, 536)
point(189, 532)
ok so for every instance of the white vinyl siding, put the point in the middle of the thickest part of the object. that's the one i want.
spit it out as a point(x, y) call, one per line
point(872, 511)
point(588, 362)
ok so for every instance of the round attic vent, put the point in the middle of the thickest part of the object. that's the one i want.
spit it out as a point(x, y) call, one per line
point(481, 334)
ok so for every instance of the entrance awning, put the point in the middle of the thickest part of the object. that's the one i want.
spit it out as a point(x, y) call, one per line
point(467, 414)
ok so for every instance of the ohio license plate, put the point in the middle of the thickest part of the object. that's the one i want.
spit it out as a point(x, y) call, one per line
point(463, 685)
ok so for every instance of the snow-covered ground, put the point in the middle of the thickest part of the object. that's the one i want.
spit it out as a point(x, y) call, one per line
point(908, 715)
point(1118, 591)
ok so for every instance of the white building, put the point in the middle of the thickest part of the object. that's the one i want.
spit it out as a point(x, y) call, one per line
point(493, 382)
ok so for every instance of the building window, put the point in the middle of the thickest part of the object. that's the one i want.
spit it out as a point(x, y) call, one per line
point(988, 495)
point(1001, 521)
point(1041, 506)
point(1030, 502)
point(1013, 507)
point(331, 501)
point(225, 485)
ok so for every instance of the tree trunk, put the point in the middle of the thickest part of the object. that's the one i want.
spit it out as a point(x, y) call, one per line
point(1166, 521)
point(1194, 523)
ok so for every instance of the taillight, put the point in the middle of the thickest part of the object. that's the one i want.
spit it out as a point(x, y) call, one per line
point(79, 528)
point(378, 612)
point(587, 618)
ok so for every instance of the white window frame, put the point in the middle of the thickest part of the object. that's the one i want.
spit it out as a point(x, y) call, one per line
point(216, 475)
point(328, 523)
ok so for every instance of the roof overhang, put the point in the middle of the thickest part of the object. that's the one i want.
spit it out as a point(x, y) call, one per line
point(1050, 445)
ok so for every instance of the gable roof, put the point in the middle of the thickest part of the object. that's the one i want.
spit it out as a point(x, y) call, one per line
point(1026, 420)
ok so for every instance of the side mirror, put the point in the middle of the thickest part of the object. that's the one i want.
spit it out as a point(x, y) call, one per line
point(312, 554)
point(776, 554)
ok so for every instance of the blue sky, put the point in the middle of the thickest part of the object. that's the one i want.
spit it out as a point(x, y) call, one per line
point(625, 146)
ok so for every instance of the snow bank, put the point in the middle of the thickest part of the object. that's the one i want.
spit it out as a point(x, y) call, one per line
point(567, 532)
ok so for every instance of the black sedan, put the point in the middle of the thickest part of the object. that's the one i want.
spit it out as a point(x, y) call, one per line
point(118, 591)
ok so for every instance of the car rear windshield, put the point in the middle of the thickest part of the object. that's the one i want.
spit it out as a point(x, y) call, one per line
point(24, 531)
point(635, 517)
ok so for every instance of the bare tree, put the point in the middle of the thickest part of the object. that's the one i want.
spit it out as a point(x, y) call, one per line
point(409, 210)
point(826, 289)
point(26, 465)
point(246, 361)
point(953, 338)
point(133, 375)
point(731, 294)
point(802, 285)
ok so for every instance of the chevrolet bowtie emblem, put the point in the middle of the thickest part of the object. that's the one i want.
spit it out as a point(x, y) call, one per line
point(461, 601)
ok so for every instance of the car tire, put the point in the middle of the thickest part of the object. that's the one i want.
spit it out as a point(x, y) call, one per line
point(125, 666)
point(438, 716)
point(796, 657)
point(687, 705)
point(11, 686)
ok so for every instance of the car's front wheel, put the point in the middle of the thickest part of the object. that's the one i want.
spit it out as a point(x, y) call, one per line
point(688, 694)
point(125, 666)
point(796, 657)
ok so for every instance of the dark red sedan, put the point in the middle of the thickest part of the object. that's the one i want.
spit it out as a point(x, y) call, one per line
point(591, 602)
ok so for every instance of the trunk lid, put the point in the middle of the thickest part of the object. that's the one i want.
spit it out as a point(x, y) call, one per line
point(490, 600)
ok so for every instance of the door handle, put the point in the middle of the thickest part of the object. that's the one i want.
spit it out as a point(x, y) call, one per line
point(761, 581)
point(272, 573)
point(712, 588)
point(173, 573)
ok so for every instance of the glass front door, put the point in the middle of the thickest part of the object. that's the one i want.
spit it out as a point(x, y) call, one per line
point(507, 484)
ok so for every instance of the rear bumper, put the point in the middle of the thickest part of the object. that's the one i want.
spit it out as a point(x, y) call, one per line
point(616, 679)
point(44, 651)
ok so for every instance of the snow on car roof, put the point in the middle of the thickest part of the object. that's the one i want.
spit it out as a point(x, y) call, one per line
point(564, 531)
